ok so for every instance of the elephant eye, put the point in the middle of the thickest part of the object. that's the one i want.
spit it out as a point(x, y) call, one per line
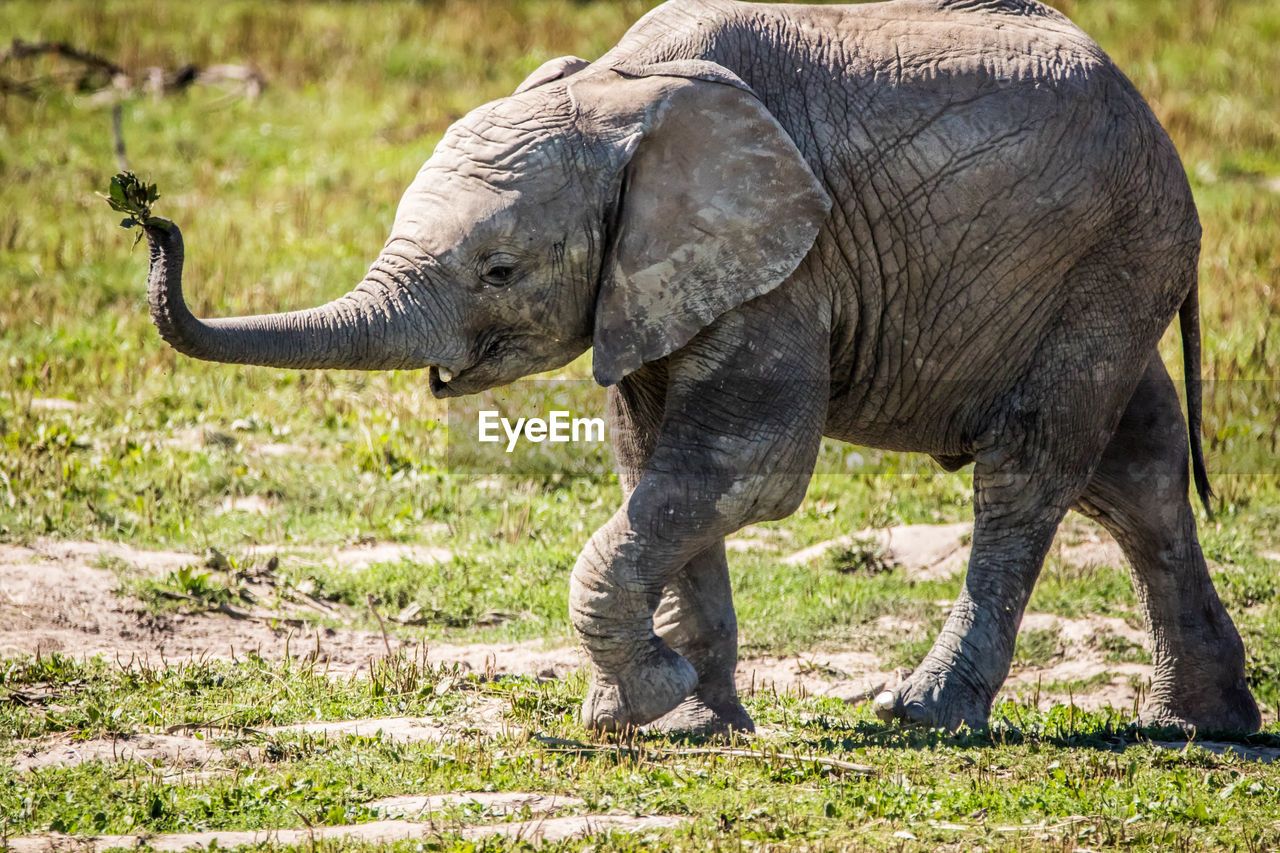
point(499, 270)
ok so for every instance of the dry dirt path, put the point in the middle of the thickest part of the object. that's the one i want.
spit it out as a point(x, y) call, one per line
point(546, 828)
point(54, 596)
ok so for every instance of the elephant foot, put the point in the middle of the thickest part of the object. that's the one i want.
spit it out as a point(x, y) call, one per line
point(640, 694)
point(936, 698)
point(1230, 710)
point(695, 717)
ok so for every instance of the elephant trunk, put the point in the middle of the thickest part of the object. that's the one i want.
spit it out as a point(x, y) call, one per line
point(358, 331)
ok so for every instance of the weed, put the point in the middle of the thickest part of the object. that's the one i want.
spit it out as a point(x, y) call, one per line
point(1038, 647)
point(864, 556)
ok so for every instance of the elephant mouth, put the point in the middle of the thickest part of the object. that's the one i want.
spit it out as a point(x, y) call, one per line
point(440, 388)
point(468, 380)
point(493, 367)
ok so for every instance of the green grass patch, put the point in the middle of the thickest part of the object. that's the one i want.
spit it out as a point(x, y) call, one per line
point(1032, 767)
point(1037, 647)
point(1118, 649)
point(1075, 686)
point(96, 698)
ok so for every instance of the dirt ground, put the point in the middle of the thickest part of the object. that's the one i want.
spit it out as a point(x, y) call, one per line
point(542, 829)
point(56, 596)
point(63, 596)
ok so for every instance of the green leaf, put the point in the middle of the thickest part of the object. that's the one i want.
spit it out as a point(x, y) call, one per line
point(127, 194)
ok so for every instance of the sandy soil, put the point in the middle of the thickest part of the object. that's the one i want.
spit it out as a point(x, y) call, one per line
point(938, 551)
point(54, 597)
point(494, 804)
point(382, 831)
point(187, 750)
point(926, 551)
point(177, 751)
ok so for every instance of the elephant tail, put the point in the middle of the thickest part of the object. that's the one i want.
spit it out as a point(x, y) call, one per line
point(1189, 322)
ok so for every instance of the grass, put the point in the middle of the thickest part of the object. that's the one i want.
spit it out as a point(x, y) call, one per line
point(105, 433)
point(1032, 770)
point(1117, 649)
point(1037, 646)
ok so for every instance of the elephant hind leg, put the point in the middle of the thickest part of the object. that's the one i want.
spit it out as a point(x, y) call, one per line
point(1018, 506)
point(1032, 460)
point(1139, 493)
point(1025, 479)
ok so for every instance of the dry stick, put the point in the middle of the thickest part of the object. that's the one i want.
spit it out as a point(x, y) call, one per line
point(381, 625)
point(313, 603)
point(17, 87)
point(207, 724)
point(822, 761)
point(158, 79)
point(117, 136)
point(20, 49)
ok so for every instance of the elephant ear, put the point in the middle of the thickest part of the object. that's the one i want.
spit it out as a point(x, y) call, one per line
point(716, 206)
point(552, 69)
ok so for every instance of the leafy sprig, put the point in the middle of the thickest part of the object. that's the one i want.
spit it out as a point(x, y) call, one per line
point(127, 194)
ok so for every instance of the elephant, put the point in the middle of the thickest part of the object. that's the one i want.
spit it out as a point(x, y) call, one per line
point(951, 227)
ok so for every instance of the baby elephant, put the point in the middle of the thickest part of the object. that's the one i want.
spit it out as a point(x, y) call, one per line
point(946, 226)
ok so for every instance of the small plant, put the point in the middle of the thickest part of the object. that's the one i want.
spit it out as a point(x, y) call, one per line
point(202, 587)
point(127, 194)
point(862, 557)
point(1037, 647)
point(1118, 649)
point(191, 583)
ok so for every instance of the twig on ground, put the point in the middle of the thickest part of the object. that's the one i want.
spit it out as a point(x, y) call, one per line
point(313, 602)
point(9, 86)
point(19, 49)
point(562, 745)
point(265, 617)
point(386, 641)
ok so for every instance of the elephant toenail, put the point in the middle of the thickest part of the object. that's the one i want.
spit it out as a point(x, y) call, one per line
point(884, 705)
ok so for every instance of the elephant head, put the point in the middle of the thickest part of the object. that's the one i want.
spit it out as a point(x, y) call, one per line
point(620, 208)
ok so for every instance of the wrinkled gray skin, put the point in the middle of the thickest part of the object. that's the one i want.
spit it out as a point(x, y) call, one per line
point(947, 227)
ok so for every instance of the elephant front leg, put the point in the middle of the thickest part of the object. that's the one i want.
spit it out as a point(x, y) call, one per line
point(696, 618)
point(728, 438)
point(615, 589)
point(649, 546)
point(614, 621)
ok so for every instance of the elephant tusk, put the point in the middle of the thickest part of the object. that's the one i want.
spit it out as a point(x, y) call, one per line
point(446, 375)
